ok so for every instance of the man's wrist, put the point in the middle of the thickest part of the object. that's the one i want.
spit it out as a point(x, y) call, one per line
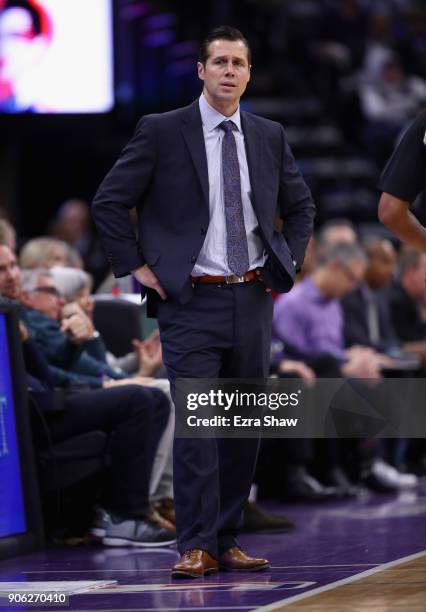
point(139, 268)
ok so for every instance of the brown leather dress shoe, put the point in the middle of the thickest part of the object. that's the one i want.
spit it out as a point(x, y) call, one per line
point(194, 563)
point(236, 559)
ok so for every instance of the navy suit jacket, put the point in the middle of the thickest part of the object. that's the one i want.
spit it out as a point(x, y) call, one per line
point(163, 173)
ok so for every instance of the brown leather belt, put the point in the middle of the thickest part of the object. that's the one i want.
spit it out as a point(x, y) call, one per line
point(229, 280)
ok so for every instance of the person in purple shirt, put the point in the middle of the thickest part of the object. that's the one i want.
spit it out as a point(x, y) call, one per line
point(309, 320)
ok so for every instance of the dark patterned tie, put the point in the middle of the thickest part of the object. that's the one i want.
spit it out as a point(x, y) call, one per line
point(236, 241)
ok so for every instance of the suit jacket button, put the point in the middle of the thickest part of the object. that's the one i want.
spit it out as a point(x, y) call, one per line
point(193, 259)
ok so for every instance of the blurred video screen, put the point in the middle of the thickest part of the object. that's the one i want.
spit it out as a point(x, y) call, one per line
point(56, 56)
point(12, 511)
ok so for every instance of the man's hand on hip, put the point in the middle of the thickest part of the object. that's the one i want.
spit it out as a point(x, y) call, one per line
point(147, 278)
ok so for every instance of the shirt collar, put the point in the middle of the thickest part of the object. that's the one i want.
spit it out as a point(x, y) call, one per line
point(211, 118)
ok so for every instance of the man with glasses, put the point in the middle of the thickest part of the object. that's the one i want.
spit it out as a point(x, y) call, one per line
point(309, 320)
point(61, 340)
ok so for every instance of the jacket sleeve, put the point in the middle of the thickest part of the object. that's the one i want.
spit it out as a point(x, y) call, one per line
point(121, 190)
point(53, 343)
point(69, 380)
point(90, 366)
point(296, 205)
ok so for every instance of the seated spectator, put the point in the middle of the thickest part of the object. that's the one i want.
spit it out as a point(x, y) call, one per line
point(46, 252)
point(309, 319)
point(134, 414)
point(331, 232)
point(64, 342)
point(392, 97)
point(334, 232)
point(367, 319)
point(7, 234)
point(72, 224)
point(389, 101)
point(368, 322)
point(146, 359)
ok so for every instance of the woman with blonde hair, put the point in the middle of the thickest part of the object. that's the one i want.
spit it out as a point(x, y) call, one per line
point(45, 252)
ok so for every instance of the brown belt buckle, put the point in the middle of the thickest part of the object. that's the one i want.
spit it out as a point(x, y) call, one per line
point(233, 278)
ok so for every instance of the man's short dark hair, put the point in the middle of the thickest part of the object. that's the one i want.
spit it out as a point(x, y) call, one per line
point(222, 33)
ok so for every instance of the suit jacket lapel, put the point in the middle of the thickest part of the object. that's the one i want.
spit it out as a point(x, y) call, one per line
point(253, 140)
point(192, 130)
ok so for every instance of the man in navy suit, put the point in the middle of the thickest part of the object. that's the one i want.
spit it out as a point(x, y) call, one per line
point(224, 217)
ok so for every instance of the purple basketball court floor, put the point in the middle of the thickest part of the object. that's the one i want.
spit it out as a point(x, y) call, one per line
point(332, 543)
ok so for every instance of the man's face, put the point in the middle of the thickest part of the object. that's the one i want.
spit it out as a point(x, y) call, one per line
point(225, 73)
point(339, 234)
point(10, 274)
point(381, 264)
point(45, 298)
point(346, 276)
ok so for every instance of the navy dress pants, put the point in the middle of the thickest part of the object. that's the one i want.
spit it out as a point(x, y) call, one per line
point(223, 332)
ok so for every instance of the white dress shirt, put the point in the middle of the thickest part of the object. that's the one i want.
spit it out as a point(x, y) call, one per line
point(213, 255)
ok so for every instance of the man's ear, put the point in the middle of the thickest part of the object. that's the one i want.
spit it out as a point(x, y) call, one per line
point(200, 70)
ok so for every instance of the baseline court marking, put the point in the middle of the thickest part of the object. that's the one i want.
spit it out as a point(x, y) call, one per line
point(207, 587)
point(328, 587)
